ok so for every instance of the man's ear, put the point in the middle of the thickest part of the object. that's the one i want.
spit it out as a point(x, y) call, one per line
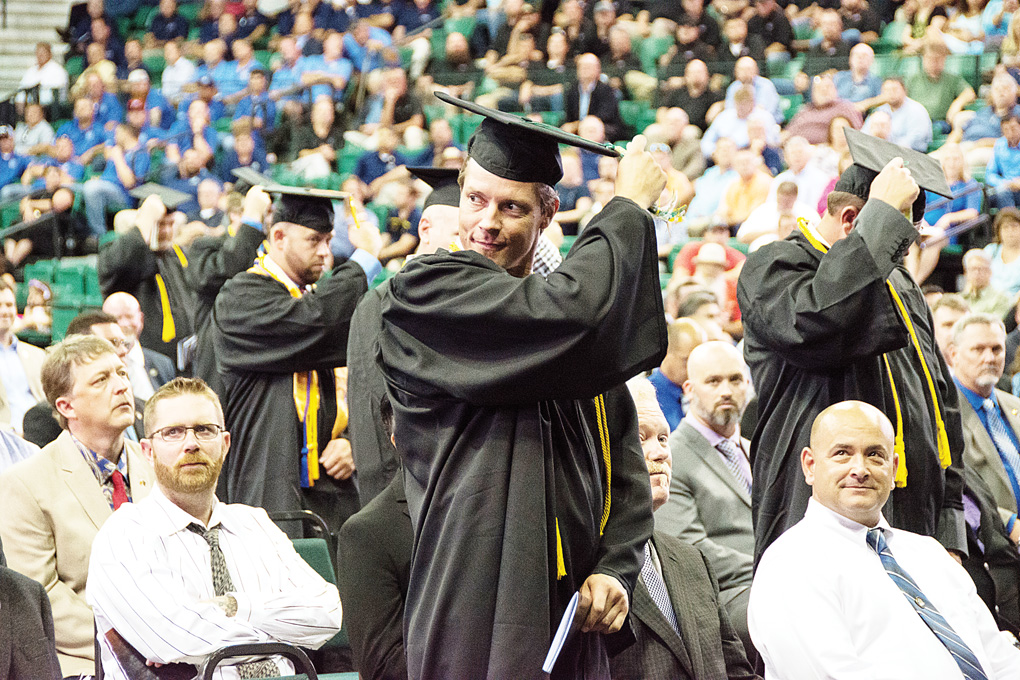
point(807, 465)
point(146, 445)
point(63, 407)
point(846, 218)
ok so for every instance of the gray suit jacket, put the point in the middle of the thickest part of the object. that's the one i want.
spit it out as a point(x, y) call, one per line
point(980, 454)
point(707, 647)
point(159, 367)
point(708, 508)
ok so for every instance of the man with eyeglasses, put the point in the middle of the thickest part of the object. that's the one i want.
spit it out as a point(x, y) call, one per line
point(55, 502)
point(181, 575)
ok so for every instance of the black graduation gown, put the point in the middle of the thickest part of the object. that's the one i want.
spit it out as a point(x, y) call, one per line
point(493, 382)
point(262, 336)
point(375, 458)
point(128, 265)
point(212, 261)
point(815, 328)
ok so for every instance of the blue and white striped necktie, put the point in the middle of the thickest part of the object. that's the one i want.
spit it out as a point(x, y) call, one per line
point(961, 653)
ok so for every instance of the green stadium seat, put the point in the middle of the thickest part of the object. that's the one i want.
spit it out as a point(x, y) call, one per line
point(437, 43)
point(650, 51)
point(789, 104)
point(553, 117)
point(463, 25)
point(189, 11)
point(42, 270)
point(568, 243)
point(382, 213)
point(464, 126)
point(155, 63)
point(143, 17)
point(349, 156)
point(74, 66)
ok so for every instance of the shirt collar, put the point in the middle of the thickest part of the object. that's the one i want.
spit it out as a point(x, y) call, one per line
point(976, 400)
point(136, 355)
point(174, 519)
point(105, 466)
point(816, 512)
point(810, 227)
point(711, 435)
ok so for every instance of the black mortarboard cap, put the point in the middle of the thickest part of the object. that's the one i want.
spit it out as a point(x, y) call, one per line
point(171, 197)
point(871, 154)
point(311, 208)
point(445, 190)
point(519, 149)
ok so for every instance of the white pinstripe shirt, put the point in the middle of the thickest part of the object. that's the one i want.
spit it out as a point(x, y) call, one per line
point(150, 579)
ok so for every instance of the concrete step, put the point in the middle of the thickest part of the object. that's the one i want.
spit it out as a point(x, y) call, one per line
point(29, 22)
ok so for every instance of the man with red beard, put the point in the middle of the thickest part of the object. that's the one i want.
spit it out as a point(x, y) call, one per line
point(183, 574)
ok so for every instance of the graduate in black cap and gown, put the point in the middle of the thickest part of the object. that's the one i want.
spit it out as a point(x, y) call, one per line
point(279, 332)
point(374, 456)
point(522, 466)
point(831, 314)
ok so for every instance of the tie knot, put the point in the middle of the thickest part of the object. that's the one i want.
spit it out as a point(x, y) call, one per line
point(988, 405)
point(876, 541)
point(729, 449)
point(211, 535)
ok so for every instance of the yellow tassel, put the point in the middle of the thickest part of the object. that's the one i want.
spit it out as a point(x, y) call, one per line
point(600, 415)
point(899, 448)
point(169, 328)
point(181, 257)
point(561, 567)
point(802, 224)
point(945, 458)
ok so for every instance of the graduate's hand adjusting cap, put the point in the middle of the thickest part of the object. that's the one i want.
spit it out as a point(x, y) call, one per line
point(519, 149)
point(445, 190)
point(871, 154)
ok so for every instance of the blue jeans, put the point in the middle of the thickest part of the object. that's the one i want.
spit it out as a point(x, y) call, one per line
point(100, 196)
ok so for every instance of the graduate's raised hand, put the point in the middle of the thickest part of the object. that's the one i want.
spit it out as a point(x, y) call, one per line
point(639, 178)
point(148, 217)
point(603, 605)
point(895, 186)
point(256, 205)
point(365, 236)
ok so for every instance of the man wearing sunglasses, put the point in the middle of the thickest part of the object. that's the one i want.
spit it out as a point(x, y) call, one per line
point(181, 575)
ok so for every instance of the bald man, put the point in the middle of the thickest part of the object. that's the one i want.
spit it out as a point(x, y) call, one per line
point(668, 379)
point(148, 370)
point(710, 496)
point(842, 594)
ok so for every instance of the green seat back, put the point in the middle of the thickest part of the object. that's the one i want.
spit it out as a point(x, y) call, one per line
point(315, 552)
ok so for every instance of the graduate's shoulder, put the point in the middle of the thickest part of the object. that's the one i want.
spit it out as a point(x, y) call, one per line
point(795, 252)
point(442, 271)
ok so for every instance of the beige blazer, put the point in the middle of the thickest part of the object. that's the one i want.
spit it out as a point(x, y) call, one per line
point(32, 360)
point(53, 507)
point(979, 451)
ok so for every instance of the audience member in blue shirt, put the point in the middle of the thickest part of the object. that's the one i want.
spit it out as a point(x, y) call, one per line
point(712, 185)
point(107, 109)
point(986, 123)
point(252, 24)
point(858, 84)
point(245, 153)
point(82, 130)
point(223, 73)
point(414, 14)
point(127, 164)
point(374, 164)
point(185, 177)
point(369, 47)
point(1003, 172)
point(208, 94)
point(12, 165)
point(383, 13)
point(330, 68)
point(194, 132)
point(244, 63)
point(257, 105)
point(910, 124)
point(63, 159)
point(166, 25)
point(288, 72)
point(995, 17)
point(966, 206)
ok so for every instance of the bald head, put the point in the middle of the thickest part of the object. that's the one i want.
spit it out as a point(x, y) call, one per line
point(684, 335)
point(851, 463)
point(717, 386)
point(129, 315)
point(653, 432)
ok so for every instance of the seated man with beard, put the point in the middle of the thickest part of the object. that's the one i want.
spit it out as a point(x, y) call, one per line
point(183, 574)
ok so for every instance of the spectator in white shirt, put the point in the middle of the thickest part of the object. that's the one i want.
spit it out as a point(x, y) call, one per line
point(147, 369)
point(910, 124)
point(825, 604)
point(177, 73)
point(34, 135)
point(180, 575)
point(811, 181)
point(47, 74)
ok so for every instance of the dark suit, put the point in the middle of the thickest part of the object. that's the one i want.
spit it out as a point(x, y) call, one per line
point(707, 647)
point(374, 548)
point(603, 105)
point(27, 646)
point(158, 367)
point(981, 455)
point(41, 427)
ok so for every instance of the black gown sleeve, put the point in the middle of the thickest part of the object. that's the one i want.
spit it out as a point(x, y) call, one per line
point(262, 329)
point(124, 263)
point(830, 315)
point(457, 324)
point(213, 261)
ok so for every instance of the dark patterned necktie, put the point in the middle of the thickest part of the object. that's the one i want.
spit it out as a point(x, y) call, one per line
point(223, 584)
point(657, 589)
point(732, 456)
point(961, 653)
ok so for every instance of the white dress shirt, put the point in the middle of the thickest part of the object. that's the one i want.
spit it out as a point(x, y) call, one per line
point(822, 606)
point(50, 76)
point(141, 383)
point(150, 579)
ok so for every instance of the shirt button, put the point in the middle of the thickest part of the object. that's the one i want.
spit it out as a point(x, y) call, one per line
point(919, 601)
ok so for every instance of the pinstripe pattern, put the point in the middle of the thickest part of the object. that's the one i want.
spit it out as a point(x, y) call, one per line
point(151, 579)
point(962, 654)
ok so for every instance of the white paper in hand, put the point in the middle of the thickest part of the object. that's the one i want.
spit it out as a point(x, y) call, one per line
point(568, 626)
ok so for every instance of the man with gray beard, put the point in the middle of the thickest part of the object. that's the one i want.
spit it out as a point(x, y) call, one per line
point(709, 502)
